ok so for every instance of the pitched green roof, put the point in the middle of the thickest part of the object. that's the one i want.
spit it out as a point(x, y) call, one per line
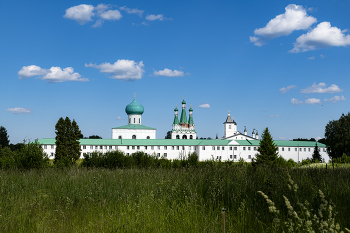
point(133, 126)
point(176, 120)
point(183, 118)
point(281, 143)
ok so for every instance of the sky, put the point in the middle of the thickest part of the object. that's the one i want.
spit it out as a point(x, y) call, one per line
point(277, 64)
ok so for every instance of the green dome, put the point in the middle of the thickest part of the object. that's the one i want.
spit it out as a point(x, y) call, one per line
point(134, 108)
point(183, 102)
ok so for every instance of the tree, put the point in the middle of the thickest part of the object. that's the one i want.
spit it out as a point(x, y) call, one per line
point(168, 135)
point(67, 142)
point(267, 149)
point(4, 138)
point(337, 136)
point(316, 156)
point(94, 137)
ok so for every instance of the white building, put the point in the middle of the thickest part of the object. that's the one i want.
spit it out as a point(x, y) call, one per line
point(234, 145)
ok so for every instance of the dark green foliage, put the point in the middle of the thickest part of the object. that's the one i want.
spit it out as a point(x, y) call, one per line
point(4, 138)
point(306, 161)
point(305, 139)
point(343, 159)
point(30, 155)
point(337, 136)
point(94, 137)
point(168, 135)
point(67, 142)
point(316, 156)
point(15, 147)
point(267, 149)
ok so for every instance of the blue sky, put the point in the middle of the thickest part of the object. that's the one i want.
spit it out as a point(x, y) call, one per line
point(277, 64)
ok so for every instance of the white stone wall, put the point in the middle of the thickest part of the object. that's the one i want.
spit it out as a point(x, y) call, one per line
point(128, 133)
point(134, 119)
point(229, 129)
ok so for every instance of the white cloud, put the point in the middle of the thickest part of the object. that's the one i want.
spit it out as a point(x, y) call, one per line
point(322, 36)
point(295, 18)
point(169, 73)
point(275, 116)
point(52, 75)
point(336, 99)
point(322, 56)
point(284, 90)
point(111, 15)
point(132, 11)
point(19, 110)
point(121, 69)
point(81, 13)
point(319, 88)
point(312, 58)
point(204, 106)
point(119, 118)
point(294, 101)
point(159, 17)
point(312, 101)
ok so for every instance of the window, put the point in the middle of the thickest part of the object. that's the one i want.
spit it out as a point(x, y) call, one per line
point(53, 147)
point(248, 147)
point(309, 149)
point(138, 147)
point(213, 148)
point(110, 147)
point(288, 148)
point(148, 137)
point(116, 147)
point(177, 148)
point(218, 148)
point(173, 147)
point(218, 157)
point(134, 120)
point(152, 147)
point(189, 147)
point(91, 147)
point(249, 157)
point(296, 149)
point(278, 149)
point(139, 120)
point(235, 156)
point(229, 126)
point(177, 137)
point(222, 148)
point(158, 154)
point(165, 155)
point(230, 156)
point(45, 146)
point(300, 149)
point(96, 147)
point(158, 147)
point(105, 147)
point(127, 154)
point(51, 154)
point(84, 147)
point(243, 147)
point(203, 147)
point(235, 148)
point(304, 149)
point(282, 148)
point(133, 136)
point(120, 137)
point(129, 120)
point(100, 147)
point(145, 147)
point(324, 149)
point(254, 148)
point(191, 137)
point(128, 147)
point(183, 148)
point(133, 147)
point(230, 147)
point(165, 147)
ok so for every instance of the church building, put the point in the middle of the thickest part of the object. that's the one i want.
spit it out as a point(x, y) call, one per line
point(185, 128)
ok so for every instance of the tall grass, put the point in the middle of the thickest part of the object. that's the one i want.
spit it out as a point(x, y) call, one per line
point(162, 200)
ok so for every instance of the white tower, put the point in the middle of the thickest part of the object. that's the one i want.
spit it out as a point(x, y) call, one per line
point(230, 126)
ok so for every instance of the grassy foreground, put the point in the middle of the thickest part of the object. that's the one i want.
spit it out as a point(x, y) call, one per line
point(163, 200)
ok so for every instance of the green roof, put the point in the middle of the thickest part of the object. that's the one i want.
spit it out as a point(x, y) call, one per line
point(133, 126)
point(176, 120)
point(281, 143)
point(134, 108)
point(183, 118)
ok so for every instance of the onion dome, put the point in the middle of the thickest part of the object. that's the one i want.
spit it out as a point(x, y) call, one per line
point(134, 108)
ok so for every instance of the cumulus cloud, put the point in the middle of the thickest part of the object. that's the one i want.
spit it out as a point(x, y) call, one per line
point(275, 116)
point(311, 58)
point(322, 56)
point(132, 11)
point(169, 73)
point(204, 106)
point(284, 90)
point(159, 17)
point(111, 15)
point(294, 18)
point(52, 75)
point(294, 101)
point(320, 88)
point(81, 13)
point(121, 69)
point(119, 118)
point(322, 36)
point(19, 110)
point(312, 101)
point(336, 99)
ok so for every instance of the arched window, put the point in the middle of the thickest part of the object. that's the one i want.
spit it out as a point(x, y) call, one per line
point(133, 136)
point(134, 120)
point(184, 137)
point(177, 137)
point(148, 137)
point(191, 137)
point(120, 137)
point(129, 120)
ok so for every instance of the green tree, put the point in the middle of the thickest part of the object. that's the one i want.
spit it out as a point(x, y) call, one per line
point(67, 142)
point(316, 156)
point(337, 136)
point(4, 138)
point(94, 137)
point(168, 135)
point(267, 149)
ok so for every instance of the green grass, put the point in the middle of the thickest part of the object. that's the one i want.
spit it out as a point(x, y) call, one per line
point(161, 200)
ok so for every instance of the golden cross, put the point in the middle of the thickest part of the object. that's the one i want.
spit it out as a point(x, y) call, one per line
point(134, 95)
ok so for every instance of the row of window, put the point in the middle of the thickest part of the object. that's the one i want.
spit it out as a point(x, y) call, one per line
point(301, 149)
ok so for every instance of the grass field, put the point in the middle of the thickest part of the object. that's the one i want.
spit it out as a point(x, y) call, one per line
point(166, 200)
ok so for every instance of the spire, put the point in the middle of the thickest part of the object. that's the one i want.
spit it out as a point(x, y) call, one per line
point(190, 119)
point(176, 119)
point(183, 118)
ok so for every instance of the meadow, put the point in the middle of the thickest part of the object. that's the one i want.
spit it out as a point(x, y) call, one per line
point(79, 199)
